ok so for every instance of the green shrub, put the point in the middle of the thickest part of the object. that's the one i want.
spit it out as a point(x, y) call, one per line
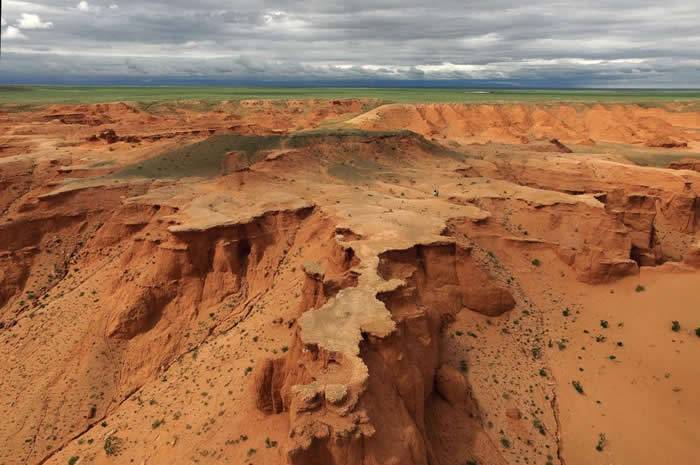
point(463, 367)
point(602, 441)
point(538, 426)
point(112, 445)
point(675, 326)
point(536, 353)
point(536, 262)
point(578, 386)
point(269, 443)
point(73, 460)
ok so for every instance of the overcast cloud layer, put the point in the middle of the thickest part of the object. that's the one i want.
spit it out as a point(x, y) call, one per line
point(622, 43)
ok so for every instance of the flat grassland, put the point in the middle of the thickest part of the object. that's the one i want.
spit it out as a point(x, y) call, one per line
point(33, 95)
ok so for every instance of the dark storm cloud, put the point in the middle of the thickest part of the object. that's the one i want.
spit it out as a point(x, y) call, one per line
point(595, 43)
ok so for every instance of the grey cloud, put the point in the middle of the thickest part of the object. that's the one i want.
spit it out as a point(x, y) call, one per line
point(595, 43)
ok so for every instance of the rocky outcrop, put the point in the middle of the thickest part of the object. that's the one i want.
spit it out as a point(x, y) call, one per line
point(522, 123)
point(637, 212)
point(110, 136)
point(665, 142)
point(692, 164)
point(155, 294)
point(560, 147)
point(359, 357)
point(648, 215)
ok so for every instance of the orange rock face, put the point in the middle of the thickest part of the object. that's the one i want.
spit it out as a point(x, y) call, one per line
point(348, 283)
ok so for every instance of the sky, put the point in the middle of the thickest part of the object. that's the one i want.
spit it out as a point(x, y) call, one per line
point(511, 43)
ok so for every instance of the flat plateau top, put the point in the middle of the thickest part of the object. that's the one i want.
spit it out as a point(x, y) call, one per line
point(30, 95)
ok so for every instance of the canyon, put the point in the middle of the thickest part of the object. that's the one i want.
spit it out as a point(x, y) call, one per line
point(349, 282)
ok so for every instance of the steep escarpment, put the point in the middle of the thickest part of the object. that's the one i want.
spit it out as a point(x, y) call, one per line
point(41, 239)
point(651, 214)
point(138, 294)
point(522, 123)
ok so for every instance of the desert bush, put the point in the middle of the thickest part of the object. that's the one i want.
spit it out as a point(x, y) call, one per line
point(505, 442)
point(602, 441)
point(269, 443)
point(536, 353)
point(538, 426)
point(463, 367)
point(112, 445)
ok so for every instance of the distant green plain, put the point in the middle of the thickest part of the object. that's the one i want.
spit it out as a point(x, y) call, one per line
point(38, 95)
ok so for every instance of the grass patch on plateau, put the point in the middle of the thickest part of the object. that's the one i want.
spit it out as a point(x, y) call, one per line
point(201, 159)
point(207, 158)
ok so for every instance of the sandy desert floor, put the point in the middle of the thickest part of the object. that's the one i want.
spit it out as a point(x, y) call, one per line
point(345, 282)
